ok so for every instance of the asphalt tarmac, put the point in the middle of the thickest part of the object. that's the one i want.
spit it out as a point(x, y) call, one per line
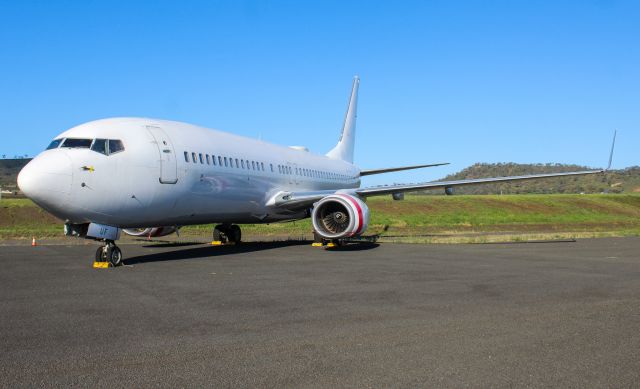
point(289, 315)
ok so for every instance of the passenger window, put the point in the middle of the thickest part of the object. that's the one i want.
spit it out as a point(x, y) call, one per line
point(208, 161)
point(262, 166)
point(242, 162)
point(54, 144)
point(253, 165)
point(226, 164)
point(115, 146)
point(220, 161)
point(186, 156)
point(237, 163)
point(99, 146)
point(271, 167)
point(73, 143)
point(201, 161)
point(213, 158)
point(193, 157)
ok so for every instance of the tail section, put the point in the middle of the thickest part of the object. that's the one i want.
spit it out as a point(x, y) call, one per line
point(344, 148)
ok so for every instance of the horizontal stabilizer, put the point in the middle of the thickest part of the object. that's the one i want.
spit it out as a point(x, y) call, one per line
point(397, 169)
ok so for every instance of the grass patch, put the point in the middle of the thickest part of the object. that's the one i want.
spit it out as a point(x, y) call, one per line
point(419, 219)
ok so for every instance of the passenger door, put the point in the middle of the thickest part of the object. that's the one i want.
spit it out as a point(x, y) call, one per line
point(168, 162)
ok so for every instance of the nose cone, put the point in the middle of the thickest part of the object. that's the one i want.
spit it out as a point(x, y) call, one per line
point(47, 180)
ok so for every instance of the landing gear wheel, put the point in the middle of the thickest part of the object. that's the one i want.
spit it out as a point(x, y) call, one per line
point(115, 255)
point(109, 253)
point(235, 234)
point(220, 234)
point(100, 254)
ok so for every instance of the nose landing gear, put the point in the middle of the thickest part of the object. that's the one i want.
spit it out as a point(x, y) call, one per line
point(227, 233)
point(109, 254)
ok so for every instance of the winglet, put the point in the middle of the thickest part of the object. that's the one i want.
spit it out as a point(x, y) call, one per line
point(613, 145)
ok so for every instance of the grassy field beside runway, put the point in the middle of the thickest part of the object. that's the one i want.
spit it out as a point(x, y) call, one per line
point(417, 219)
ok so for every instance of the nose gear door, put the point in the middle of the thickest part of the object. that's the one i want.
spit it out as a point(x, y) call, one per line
point(168, 162)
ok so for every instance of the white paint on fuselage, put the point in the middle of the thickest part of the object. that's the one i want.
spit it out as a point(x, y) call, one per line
point(124, 189)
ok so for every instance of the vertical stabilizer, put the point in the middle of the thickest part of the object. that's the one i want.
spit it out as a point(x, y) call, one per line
point(344, 148)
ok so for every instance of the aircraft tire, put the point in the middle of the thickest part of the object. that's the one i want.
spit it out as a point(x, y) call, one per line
point(99, 254)
point(219, 233)
point(235, 234)
point(114, 255)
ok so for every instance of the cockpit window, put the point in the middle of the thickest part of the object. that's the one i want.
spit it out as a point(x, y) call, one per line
point(54, 144)
point(115, 146)
point(100, 146)
point(75, 143)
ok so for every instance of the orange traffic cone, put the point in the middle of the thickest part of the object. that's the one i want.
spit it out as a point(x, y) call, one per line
point(33, 242)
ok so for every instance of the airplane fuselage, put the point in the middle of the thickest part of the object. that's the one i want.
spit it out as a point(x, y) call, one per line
point(172, 173)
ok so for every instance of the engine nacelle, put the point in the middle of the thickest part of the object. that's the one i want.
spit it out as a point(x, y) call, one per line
point(340, 216)
point(150, 232)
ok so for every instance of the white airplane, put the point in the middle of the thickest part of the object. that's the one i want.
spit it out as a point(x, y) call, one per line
point(149, 177)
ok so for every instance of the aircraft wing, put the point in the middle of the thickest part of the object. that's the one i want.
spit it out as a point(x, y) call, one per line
point(377, 191)
point(302, 200)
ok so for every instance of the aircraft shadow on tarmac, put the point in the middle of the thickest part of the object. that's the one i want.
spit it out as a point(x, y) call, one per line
point(215, 251)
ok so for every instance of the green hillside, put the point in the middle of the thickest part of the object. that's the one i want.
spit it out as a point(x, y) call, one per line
point(616, 181)
point(9, 169)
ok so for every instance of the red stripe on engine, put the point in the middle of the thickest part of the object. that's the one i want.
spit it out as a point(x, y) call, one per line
point(358, 208)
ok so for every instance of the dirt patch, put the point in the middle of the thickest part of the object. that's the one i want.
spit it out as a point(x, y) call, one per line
point(14, 216)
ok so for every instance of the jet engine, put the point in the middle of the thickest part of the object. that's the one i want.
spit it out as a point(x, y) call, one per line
point(150, 232)
point(340, 216)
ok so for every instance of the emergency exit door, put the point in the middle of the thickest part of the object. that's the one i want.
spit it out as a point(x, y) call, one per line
point(167, 155)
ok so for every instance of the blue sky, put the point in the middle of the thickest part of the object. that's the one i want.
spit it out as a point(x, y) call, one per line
point(454, 81)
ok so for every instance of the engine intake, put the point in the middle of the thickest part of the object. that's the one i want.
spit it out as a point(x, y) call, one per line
point(340, 216)
point(150, 232)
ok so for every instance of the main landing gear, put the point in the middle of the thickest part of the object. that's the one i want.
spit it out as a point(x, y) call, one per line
point(109, 253)
point(227, 233)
